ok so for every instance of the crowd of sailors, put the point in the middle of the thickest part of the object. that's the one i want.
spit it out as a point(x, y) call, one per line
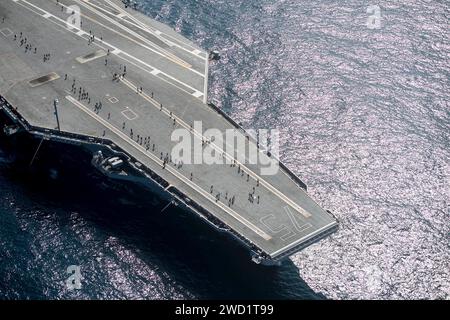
point(145, 141)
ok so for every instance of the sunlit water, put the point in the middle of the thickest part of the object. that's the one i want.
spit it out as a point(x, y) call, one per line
point(365, 121)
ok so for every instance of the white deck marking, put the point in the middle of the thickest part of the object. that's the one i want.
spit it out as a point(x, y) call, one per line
point(301, 240)
point(298, 227)
point(159, 78)
point(129, 114)
point(197, 94)
point(6, 32)
point(113, 100)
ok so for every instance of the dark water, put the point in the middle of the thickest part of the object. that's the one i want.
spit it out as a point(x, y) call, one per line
point(365, 121)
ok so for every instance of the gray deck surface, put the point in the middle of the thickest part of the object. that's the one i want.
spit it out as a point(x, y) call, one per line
point(160, 61)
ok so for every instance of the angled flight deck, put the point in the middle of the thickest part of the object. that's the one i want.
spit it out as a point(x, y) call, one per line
point(128, 79)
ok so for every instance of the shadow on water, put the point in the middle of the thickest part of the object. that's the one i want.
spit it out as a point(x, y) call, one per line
point(202, 261)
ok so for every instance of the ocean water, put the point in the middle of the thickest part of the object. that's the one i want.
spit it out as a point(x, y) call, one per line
point(365, 120)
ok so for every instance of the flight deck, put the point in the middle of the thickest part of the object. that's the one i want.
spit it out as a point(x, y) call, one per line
point(122, 77)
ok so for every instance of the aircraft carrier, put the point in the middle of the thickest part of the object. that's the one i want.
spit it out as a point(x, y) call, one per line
point(118, 83)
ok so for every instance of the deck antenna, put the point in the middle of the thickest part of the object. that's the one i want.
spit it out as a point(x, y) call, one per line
point(37, 150)
point(55, 104)
point(167, 206)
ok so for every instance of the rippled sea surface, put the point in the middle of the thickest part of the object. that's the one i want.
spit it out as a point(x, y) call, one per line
point(365, 121)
